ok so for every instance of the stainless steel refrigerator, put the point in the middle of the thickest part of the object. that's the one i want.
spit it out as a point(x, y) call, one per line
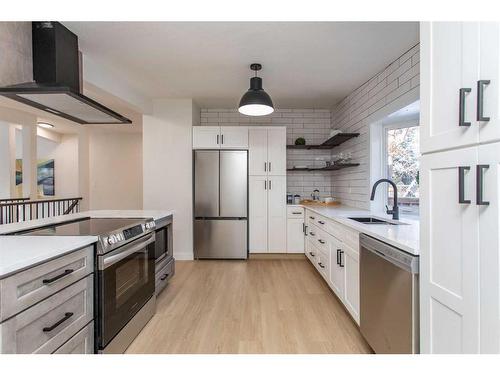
point(220, 204)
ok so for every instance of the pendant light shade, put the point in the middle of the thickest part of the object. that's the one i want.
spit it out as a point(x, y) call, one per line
point(256, 102)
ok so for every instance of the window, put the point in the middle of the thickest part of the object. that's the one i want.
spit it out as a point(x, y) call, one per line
point(402, 165)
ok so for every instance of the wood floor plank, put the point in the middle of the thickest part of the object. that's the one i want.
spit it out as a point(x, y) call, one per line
point(259, 306)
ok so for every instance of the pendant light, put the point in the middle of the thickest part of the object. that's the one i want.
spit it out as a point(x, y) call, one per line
point(256, 102)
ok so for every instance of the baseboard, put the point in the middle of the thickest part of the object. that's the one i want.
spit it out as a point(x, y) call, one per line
point(277, 256)
point(183, 256)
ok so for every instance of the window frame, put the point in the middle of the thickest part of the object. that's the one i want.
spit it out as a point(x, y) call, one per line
point(404, 210)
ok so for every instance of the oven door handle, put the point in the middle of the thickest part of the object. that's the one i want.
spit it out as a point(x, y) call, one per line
point(134, 248)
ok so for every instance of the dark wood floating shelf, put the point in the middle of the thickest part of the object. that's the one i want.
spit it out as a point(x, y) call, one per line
point(334, 167)
point(328, 144)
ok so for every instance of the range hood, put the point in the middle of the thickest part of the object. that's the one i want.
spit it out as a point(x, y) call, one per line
point(56, 72)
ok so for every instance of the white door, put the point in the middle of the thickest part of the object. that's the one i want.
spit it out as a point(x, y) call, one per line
point(276, 151)
point(449, 62)
point(257, 214)
point(350, 261)
point(295, 235)
point(449, 279)
point(257, 152)
point(234, 137)
point(489, 242)
point(336, 271)
point(489, 124)
point(277, 214)
point(206, 137)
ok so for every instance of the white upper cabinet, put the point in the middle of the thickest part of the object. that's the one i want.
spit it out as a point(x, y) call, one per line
point(206, 137)
point(257, 152)
point(489, 82)
point(276, 152)
point(225, 137)
point(267, 151)
point(234, 137)
point(449, 253)
point(449, 72)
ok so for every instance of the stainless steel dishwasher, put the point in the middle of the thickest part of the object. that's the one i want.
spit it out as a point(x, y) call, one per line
point(389, 295)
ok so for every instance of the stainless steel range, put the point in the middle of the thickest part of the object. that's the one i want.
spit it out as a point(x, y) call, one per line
point(125, 266)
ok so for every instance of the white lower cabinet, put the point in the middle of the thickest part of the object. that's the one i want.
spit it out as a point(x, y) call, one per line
point(338, 252)
point(267, 214)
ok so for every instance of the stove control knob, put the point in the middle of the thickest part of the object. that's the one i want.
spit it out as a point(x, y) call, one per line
point(112, 239)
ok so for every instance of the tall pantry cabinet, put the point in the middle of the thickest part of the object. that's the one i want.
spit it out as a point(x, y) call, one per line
point(267, 189)
point(460, 187)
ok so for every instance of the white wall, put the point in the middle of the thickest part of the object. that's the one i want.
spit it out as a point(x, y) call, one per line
point(65, 158)
point(167, 166)
point(393, 88)
point(115, 168)
point(4, 160)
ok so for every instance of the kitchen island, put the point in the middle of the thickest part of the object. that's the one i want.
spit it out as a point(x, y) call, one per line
point(49, 281)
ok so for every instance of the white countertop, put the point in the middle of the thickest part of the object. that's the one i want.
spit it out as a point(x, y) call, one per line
point(20, 252)
point(405, 237)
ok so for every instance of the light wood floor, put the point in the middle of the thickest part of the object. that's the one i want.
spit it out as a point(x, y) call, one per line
point(255, 306)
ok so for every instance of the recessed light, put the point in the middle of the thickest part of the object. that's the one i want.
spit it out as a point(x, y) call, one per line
point(45, 125)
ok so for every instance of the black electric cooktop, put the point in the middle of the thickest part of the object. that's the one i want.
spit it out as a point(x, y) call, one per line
point(83, 227)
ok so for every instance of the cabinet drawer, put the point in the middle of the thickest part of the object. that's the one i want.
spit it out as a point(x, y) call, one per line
point(164, 272)
point(295, 212)
point(81, 343)
point(47, 325)
point(29, 287)
point(319, 237)
point(311, 251)
point(322, 264)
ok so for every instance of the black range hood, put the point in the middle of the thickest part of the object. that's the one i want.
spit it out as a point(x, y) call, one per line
point(56, 72)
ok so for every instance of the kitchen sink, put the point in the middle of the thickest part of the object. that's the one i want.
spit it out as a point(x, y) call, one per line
point(371, 220)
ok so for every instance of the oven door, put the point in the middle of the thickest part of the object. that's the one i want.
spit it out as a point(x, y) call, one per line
point(126, 281)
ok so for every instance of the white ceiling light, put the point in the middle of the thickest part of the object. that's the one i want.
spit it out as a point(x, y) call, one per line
point(45, 125)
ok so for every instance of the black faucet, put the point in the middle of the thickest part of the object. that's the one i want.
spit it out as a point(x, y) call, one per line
point(395, 208)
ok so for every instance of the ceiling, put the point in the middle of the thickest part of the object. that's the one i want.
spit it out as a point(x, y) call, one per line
point(305, 64)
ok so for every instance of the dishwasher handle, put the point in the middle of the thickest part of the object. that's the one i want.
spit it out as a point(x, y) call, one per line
point(398, 257)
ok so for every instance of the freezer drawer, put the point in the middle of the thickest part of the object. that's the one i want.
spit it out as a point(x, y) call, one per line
point(220, 239)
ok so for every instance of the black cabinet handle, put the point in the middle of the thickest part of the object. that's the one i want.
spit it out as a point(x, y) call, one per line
point(321, 222)
point(265, 184)
point(311, 217)
point(338, 256)
point(217, 138)
point(164, 277)
point(222, 138)
point(480, 100)
point(265, 167)
point(461, 107)
point(312, 234)
point(270, 185)
point(480, 185)
point(461, 185)
point(269, 166)
point(305, 229)
point(65, 273)
point(59, 322)
point(311, 254)
point(321, 241)
point(340, 259)
point(321, 265)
